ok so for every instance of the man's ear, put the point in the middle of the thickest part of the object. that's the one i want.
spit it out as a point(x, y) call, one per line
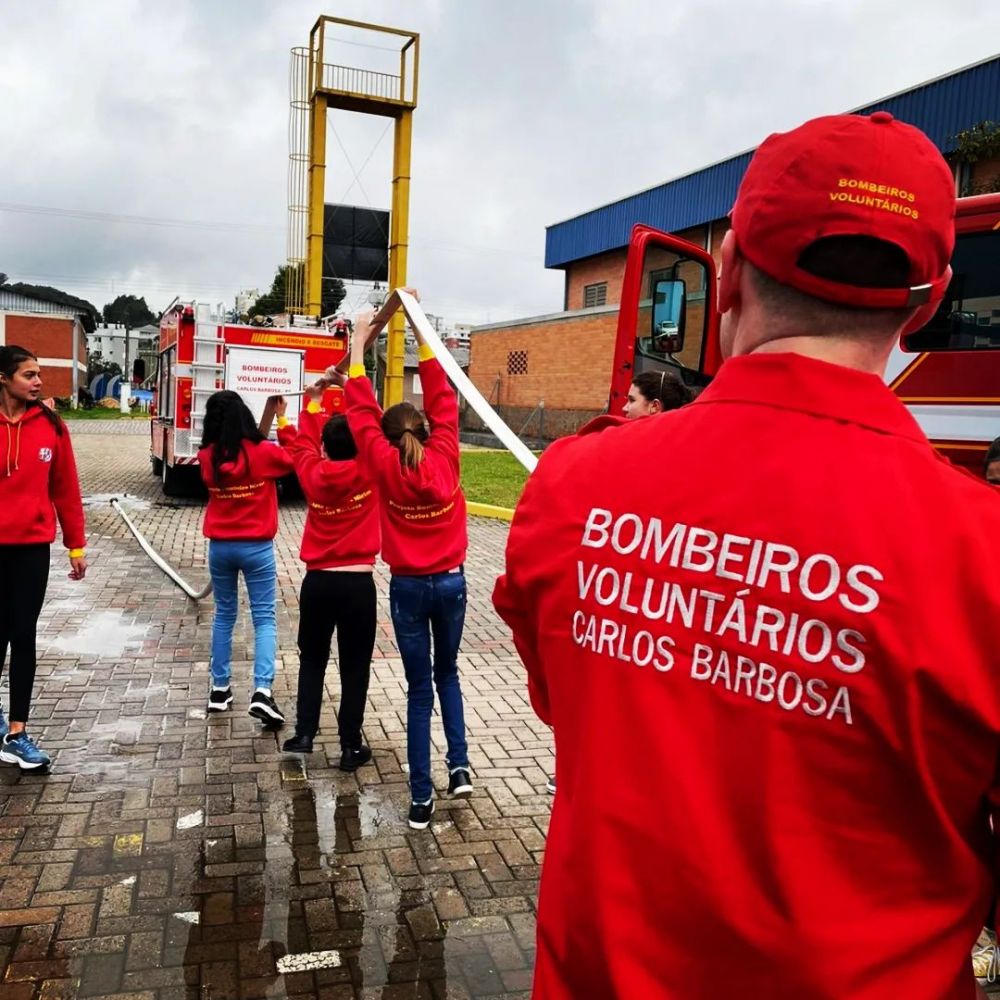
point(730, 272)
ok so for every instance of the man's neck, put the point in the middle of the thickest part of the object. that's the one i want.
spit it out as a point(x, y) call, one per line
point(836, 351)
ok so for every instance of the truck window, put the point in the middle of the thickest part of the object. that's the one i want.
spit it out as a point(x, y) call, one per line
point(662, 265)
point(969, 316)
point(164, 384)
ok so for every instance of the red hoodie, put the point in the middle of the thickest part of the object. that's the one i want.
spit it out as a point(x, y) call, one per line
point(38, 480)
point(243, 502)
point(342, 524)
point(423, 509)
point(780, 608)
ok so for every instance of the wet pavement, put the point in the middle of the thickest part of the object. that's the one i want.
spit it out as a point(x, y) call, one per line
point(168, 855)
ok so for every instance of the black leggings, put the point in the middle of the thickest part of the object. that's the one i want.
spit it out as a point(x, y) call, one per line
point(342, 601)
point(24, 575)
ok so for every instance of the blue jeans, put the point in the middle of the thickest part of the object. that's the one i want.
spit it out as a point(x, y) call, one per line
point(226, 560)
point(422, 606)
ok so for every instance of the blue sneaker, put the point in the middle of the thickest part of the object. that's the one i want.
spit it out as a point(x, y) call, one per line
point(20, 749)
point(3, 724)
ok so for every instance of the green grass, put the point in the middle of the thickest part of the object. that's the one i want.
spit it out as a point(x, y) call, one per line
point(100, 413)
point(493, 477)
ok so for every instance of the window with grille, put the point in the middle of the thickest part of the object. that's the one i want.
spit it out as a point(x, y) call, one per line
point(595, 295)
point(517, 362)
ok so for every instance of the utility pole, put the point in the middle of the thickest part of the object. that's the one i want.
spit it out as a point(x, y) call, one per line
point(126, 380)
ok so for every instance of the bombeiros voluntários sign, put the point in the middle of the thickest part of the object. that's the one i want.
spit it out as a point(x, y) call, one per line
point(258, 373)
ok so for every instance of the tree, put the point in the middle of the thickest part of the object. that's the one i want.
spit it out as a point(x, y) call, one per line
point(130, 311)
point(273, 301)
point(96, 365)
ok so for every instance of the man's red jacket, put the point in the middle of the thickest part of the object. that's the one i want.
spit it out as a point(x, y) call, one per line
point(766, 630)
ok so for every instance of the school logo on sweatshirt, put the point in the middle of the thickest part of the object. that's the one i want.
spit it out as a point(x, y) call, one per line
point(45, 454)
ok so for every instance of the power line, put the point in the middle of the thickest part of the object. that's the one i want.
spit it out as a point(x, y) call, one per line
point(137, 220)
point(140, 220)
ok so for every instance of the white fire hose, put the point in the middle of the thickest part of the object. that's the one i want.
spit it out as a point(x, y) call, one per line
point(195, 595)
point(401, 298)
point(461, 382)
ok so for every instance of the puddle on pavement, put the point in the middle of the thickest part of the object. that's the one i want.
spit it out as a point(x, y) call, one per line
point(368, 926)
point(101, 762)
point(128, 502)
point(103, 634)
point(378, 813)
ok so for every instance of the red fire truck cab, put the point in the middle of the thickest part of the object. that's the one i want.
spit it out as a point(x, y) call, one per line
point(947, 373)
point(201, 352)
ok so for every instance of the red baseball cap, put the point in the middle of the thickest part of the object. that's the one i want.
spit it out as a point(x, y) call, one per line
point(849, 175)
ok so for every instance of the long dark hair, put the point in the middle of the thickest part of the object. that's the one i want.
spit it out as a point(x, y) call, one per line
point(11, 358)
point(403, 425)
point(228, 423)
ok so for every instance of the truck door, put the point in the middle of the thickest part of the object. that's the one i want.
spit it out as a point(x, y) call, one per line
point(668, 317)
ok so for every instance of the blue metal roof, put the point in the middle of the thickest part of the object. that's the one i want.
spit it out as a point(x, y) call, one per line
point(940, 107)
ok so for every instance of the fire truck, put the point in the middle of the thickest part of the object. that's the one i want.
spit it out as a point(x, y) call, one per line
point(201, 351)
point(947, 373)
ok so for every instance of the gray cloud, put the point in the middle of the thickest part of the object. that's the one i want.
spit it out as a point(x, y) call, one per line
point(530, 112)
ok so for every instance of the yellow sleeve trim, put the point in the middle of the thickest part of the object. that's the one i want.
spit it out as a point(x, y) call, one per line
point(314, 407)
point(283, 421)
point(425, 352)
point(356, 371)
point(76, 553)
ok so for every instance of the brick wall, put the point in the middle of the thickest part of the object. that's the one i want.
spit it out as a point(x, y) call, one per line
point(568, 361)
point(985, 171)
point(49, 337)
point(606, 267)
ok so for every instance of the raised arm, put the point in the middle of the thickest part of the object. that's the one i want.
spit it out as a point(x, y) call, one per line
point(364, 415)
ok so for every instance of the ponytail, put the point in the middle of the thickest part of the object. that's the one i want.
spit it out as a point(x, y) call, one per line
point(403, 425)
point(411, 449)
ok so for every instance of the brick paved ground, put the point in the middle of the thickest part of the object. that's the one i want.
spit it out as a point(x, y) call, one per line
point(170, 856)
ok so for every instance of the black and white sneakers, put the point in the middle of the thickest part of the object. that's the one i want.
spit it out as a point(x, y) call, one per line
point(420, 814)
point(262, 705)
point(264, 708)
point(219, 699)
point(459, 783)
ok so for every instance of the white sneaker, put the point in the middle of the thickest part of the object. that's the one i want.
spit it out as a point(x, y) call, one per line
point(986, 959)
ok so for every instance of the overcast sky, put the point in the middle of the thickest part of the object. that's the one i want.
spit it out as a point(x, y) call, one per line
point(530, 111)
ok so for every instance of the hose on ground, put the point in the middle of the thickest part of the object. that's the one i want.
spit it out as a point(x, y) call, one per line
point(195, 595)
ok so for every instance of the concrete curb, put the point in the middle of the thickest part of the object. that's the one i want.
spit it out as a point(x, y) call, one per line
point(488, 510)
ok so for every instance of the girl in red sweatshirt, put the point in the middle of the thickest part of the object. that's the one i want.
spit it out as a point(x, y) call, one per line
point(239, 468)
point(424, 542)
point(38, 482)
point(339, 546)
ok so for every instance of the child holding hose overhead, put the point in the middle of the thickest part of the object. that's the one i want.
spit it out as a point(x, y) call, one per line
point(339, 546)
point(424, 541)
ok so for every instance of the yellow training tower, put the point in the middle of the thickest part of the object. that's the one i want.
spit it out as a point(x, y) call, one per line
point(318, 86)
